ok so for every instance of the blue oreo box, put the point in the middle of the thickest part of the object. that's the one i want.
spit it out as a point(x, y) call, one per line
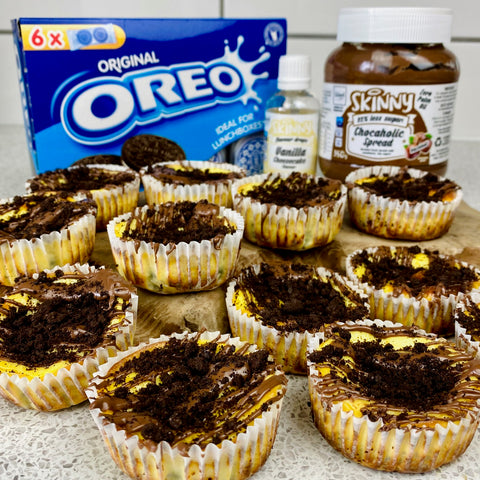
point(90, 84)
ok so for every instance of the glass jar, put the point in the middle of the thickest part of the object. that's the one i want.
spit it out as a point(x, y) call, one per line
point(389, 91)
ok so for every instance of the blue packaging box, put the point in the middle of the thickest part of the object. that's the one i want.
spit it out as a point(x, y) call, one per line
point(89, 84)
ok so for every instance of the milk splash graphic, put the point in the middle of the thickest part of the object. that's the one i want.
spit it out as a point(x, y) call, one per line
point(104, 109)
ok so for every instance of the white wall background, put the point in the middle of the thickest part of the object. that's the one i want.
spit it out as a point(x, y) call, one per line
point(311, 29)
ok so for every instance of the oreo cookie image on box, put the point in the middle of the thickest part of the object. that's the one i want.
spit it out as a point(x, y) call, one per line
point(91, 36)
point(146, 149)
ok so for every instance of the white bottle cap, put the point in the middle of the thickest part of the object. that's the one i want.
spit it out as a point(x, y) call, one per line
point(395, 25)
point(294, 72)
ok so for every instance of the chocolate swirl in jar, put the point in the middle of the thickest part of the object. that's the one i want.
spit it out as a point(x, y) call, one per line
point(391, 83)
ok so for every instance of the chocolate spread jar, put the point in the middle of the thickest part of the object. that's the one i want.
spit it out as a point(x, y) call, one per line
point(389, 91)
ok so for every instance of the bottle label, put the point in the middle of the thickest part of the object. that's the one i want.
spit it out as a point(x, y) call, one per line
point(388, 124)
point(291, 142)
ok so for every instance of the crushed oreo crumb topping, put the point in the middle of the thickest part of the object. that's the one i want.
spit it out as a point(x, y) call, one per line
point(79, 178)
point(66, 325)
point(187, 389)
point(403, 186)
point(177, 222)
point(31, 216)
point(289, 298)
point(298, 190)
point(441, 274)
point(411, 377)
point(190, 175)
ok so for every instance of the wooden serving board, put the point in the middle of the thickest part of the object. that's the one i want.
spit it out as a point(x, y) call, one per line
point(165, 314)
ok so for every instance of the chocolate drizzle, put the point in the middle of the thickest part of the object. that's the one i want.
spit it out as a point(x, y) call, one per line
point(171, 223)
point(80, 178)
point(31, 216)
point(188, 175)
point(416, 382)
point(294, 298)
point(61, 320)
point(188, 392)
point(298, 190)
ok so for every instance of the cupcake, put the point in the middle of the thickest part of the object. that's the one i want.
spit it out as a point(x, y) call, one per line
point(411, 285)
point(114, 188)
point(189, 406)
point(396, 202)
point(177, 247)
point(56, 328)
point(280, 307)
point(392, 397)
point(190, 180)
point(38, 232)
point(294, 212)
point(467, 321)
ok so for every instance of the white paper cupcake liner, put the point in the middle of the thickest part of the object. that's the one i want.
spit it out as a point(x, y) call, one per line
point(237, 459)
point(73, 244)
point(432, 315)
point(115, 200)
point(157, 191)
point(288, 349)
point(284, 227)
point(184, 267)
point(394, 218)
point(66, 387)
point(367, 442)
point(462, 338)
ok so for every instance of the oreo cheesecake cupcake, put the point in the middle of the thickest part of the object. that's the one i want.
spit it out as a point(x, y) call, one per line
point(281, 306)
point(467, 321)
point(190, 180)
point(189, 406)
point(40, 231)
point(114, 188)
point(411, 285)
point(396, 202)
point(392, 397)
point(293, 212)
point(177, 247)
point(56, 328)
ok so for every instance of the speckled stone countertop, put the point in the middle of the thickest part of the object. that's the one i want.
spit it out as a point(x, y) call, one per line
point(66, 445)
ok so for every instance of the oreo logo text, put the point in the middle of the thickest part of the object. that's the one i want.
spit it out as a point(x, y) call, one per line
point(106, 108)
